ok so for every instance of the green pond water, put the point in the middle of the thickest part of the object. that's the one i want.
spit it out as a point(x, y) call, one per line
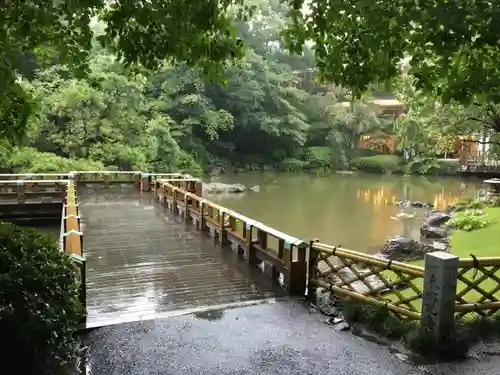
point(355, 211)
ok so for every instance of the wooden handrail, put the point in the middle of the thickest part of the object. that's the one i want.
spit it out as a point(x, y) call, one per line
point(73, 234)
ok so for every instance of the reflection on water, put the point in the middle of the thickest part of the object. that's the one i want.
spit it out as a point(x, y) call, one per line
point(384, 196)
point(356, 211)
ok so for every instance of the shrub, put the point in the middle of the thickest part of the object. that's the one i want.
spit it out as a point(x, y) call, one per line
point(495, 202)
point(447, 167)
point(467, 203)
point(39, 305)
point(378, 164)
point(469, 220)
point(29, 160)
point(291, 165)
point(317, 157)
point(422, 166)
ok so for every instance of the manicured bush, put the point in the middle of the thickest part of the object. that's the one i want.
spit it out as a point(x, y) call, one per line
point(317, 157)
point(291, 165)
point(377, 164)
point(39, 305)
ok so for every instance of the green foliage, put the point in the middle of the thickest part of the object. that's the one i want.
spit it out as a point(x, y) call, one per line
point(29, 160)
point(422, 165)
point(468, 203)
point(447, 167)
point(317, 157)
point(39, 306)
point(469, 220)
point(292, 165)
point(361, 42)
point(200, 33)
point(170, 118)
point(164, 115)
point(378, 164)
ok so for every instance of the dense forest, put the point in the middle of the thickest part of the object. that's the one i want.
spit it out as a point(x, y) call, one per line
point(261, 114)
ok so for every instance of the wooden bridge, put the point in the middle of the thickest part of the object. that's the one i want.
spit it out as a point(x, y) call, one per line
point(150, 245)
point(138, 254)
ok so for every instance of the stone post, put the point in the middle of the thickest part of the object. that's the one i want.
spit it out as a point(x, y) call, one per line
point(438, 300)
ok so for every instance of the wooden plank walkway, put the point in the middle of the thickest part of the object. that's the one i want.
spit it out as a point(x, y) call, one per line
point(145, 263)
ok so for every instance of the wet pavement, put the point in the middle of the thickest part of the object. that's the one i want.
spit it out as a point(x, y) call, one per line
point(143, 262)
point(168, 301)
point(283, 337)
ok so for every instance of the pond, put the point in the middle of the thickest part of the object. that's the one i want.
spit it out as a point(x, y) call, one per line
point(355, 211)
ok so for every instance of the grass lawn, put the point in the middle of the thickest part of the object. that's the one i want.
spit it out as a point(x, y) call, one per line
point(483, 242)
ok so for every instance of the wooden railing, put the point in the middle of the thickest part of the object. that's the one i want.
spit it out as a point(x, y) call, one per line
point(255, 241)
point(72, 237)
point(300, 266)
point(32, 191)
point(105, 177)
point(35, 176)
point(394, 285)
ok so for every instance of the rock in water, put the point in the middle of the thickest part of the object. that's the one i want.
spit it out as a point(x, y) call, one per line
point(404, 248)
point(437, 218)
point(433, 225)
point(432, 232)
point(417, 204)
point(219, 187)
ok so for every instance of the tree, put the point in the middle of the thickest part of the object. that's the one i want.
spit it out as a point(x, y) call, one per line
point(199, 32)
point(39, 304)
point(451, 47)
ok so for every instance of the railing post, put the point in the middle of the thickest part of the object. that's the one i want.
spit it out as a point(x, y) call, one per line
point(295, 272)
point(222, 227)
point(249, 251)
point(21, 187)
point(186, 207)
point(311, 272)
point(199, 188)
point(144, 185)
point(202, 215)
point(438, 300)
point(137, 180)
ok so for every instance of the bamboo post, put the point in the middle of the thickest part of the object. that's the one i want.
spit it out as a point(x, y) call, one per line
point(313, 266)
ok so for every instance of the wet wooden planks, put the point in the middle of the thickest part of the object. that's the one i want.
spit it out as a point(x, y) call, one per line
point(144, 263)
